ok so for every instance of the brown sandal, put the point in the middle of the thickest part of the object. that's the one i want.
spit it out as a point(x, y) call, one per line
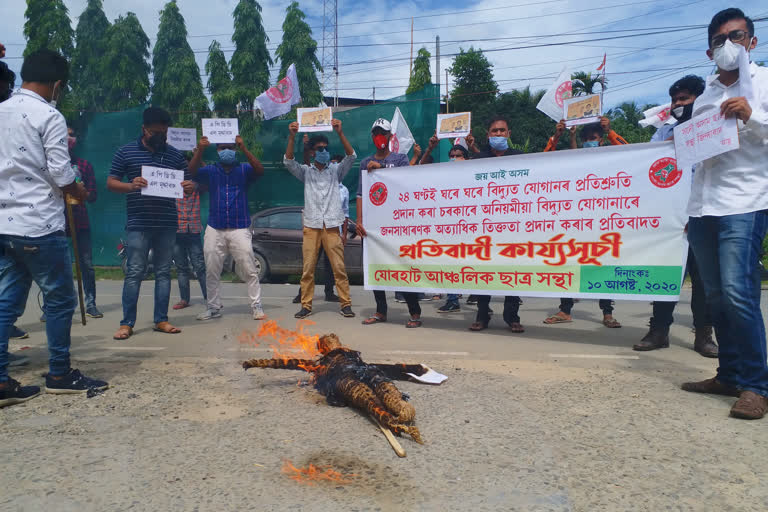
point(413, 323)
point(557, 319)
point(375, 319)
point(166, 328)
point(612, 323)
point(477, 327)
point(123, 333)
point(516, 327)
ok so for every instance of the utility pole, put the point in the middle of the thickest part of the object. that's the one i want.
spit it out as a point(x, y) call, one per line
point(374, 95)
point(410, 74)
point(447, 110)
point(437, 61)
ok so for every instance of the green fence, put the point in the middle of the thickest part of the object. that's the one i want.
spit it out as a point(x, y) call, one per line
point(108, 131)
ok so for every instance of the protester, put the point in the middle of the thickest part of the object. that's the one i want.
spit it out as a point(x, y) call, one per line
point(35, 175)
point(323, 215)
point(381, 133)
point(682, 93)
point(7, 81)
point(151, 221)
point(416, 159)
point(728, 220)
point(591, 136)
point(188, 250)
point(229, 220)
point(498, 141)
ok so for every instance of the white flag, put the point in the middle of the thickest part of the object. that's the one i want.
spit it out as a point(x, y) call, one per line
point(656, 116)
point(279, 99)
point(402, 139)
point(552, 102)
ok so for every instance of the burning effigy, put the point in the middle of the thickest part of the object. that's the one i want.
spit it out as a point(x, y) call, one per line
point(341, 375)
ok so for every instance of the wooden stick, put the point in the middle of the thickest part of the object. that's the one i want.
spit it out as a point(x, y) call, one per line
point(391, 438)
point(73, 233)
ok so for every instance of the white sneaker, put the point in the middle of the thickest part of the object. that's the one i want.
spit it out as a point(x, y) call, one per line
point(209, 313)
point(258, 313)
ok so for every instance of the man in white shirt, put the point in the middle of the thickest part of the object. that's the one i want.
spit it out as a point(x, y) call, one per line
point(35, 175)
point(728, 221)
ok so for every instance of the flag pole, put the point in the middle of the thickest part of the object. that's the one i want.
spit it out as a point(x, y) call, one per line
point(73, 232)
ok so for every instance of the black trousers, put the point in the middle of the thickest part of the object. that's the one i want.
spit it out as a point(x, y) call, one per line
point(662, 311)
point(511, 309)
point(566, 305)
point(411, 299)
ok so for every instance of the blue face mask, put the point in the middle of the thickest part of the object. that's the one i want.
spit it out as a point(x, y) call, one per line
point(498, 143)
point(322, 156)
point(228, 156)
point(591, 144)
point(453, 159)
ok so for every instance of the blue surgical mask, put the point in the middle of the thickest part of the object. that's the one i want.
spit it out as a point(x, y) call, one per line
point(322, 156)
point(498, 143)
point(228, 156)
point(453, 159)
point(591, 144)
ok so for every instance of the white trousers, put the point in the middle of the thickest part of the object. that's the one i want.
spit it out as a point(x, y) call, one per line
point(217, 244)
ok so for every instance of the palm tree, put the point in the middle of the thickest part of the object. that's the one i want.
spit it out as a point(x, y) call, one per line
point(584, 83)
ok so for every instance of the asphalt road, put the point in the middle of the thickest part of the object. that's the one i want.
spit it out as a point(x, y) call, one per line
point(561, 418)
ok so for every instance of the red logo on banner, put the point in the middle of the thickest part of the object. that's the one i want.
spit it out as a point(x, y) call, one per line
point(282, 92)
point(664, 173)
point(378, 193)
point(394, 144)
point(563, 92)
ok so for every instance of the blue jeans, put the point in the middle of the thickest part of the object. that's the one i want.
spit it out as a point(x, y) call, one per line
point(138, 244)
point(86, 267)
point(727, 251)
point(189, 249)
point(452, 299)
point(46, 261)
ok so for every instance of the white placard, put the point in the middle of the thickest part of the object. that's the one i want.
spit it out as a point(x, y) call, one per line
point(315, 119)
point(162, 182)
point(450, 126)
point(582, 110)
point(220, 131)
point(703, 137)
point(182, 139)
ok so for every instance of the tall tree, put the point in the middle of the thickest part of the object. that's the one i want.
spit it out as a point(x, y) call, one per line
point(48, 26)
point(125, 68)
point(250, 62)
point(529, 127)
point(421, 75)
point(220, 81)
point(474, 84)
point(298, 47)
point(177, 84)
point(625, 119)
point(90, 48)
point(584, 83)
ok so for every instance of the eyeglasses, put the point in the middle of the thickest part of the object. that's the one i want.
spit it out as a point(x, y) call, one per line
point(736, 36)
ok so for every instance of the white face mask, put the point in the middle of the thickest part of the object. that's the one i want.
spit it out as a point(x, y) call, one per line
point(727, 56)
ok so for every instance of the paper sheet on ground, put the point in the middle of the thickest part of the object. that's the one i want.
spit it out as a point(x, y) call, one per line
point(431, 377)
point(220, 131)
point(316, 119)
point(162, 182)
point(582, 110)
point(450, 126)
point(182, 139)
point(704, 136)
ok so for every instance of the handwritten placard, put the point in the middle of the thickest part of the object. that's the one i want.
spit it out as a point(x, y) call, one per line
point(315, 119)
point(162, 182)
point(220, 131)
point(703, 137)
point(582, 110)
point(450, 126)
point(182, 139)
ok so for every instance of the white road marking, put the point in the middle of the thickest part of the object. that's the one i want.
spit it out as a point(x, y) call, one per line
point(592, 356)
point(422, 353)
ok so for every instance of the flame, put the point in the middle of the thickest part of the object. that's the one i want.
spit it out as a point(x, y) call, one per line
point(290, 344)
point(314, 474)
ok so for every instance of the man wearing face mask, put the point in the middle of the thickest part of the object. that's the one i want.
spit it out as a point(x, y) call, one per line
point(498, 142)
point(682, 93)
point(381, 132)
point(151, 221)
point(35, 176)
point(229, 220)
point(728, 217)
point(323, 213)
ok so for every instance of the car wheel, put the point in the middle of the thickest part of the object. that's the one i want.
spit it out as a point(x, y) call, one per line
point(262, 266)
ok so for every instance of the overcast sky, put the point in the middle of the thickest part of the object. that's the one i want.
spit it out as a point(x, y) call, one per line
point(374, 38)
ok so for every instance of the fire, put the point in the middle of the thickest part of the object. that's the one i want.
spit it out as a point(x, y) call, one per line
point(314, 474)
point(290, 344)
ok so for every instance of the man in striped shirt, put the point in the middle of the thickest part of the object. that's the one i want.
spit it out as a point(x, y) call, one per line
point(152, 221)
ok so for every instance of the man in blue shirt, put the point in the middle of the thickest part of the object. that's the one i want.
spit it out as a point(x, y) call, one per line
point(229, 220)
point(152, 221)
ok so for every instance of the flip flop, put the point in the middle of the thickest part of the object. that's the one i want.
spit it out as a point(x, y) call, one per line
point(123, 333)
point(413, 323)
point(477, 327)
point(554, 319)
point(375, 319)
point(612, 324)
point(166, 328)
point(181, 305)
point(516, 327)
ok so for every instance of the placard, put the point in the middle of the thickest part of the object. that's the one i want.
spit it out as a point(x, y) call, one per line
point(704, 136)
point(220, 131)
point(450, 126)
point(582, 110)
point(183, 139)
point(602, 223)
point(162, 182)
point(315, 119)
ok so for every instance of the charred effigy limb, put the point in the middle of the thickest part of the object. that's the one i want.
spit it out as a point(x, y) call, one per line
point(345, 379)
